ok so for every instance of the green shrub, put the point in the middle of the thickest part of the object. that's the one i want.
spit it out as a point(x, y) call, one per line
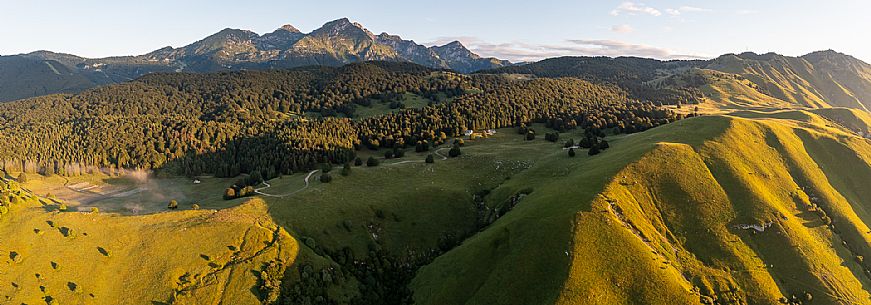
point(326, 178)
point(372, 162)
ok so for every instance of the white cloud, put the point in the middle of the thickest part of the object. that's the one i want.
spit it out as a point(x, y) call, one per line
point(520, 52)
point(685, 9)
point(747, 12)
point(622, 29)
point(632, 8)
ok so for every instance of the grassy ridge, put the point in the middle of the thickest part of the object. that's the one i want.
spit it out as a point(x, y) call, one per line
point(668, 226)
point(656, 219)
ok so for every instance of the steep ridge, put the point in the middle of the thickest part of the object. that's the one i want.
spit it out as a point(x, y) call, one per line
point(817, 80)
point(743, 209)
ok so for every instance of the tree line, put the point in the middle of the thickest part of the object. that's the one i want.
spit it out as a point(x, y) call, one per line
point(255, 123)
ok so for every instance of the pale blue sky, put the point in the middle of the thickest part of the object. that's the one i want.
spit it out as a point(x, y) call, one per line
point(511, 29)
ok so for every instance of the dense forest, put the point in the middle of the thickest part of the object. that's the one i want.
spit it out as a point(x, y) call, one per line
point(277, 122)
point(643, 78)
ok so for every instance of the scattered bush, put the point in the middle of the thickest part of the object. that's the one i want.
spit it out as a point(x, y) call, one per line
point(326, 178)
point(195, 206)
point(22, 178)
point(571, 152)
point(455, 151)
point(552, 136)
point(229, 193)
point(346, 169)
point(172, 205)
point(430, 159)
point(594, 150)
point(372, 162)
point(326, 167)
point(358, 161)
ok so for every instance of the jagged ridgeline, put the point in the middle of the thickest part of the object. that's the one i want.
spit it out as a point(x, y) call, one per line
point(272, 122)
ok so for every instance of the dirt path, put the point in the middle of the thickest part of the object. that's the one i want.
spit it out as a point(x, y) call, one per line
point(260, 191)
point(437, 153)
point(267, 185)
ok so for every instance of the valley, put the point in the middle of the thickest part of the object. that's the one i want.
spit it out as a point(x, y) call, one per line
point(341, 167)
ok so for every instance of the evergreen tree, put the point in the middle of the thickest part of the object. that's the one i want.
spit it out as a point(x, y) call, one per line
point(571, 152)
point(455, 151)
point(372, 162)
point(326, 178)
point(346, 169)
point(358, 161)
point(430, 159)
point(593, 150)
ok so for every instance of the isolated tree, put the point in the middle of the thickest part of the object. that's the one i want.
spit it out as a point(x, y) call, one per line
point(430, 159)
point(571, 152)
point(326, 178)
point(455, 151)
point(172, 205)
point(195, 206)
point(229, 193)
point(326, 167)
point(530, 135)
point(358, 161)
point(372, 162)
point(569, 143)
point(388, 154)
point(594, 150)
point(346, 169)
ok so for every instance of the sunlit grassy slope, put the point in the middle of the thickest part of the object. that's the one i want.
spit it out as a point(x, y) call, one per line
point(190, 257)
point(658, 220)
point(665, 216)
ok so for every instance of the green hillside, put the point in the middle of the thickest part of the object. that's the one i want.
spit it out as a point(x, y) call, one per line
point(817, 80)
point(662, 221)
point(23, 77)
point(664, 216)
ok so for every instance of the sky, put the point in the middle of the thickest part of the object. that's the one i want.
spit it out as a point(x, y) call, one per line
point(509, 29)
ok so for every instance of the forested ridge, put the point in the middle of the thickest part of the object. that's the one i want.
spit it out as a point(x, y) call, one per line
point(272, 122)
point(643, 78)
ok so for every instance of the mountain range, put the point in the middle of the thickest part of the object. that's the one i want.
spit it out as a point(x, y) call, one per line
point(336, 43)
point(820, 79)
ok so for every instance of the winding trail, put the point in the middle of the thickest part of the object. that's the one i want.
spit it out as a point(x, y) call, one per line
point(260, 190)
point(436, 152)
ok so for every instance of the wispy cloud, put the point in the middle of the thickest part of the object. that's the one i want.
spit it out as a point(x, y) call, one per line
point(622, 29)
point(685, 9)
point(632, 8)
point(519, 51)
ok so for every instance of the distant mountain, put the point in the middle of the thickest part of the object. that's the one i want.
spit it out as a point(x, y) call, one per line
point(336, 43)
point(23, 76)
point(817, 80)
